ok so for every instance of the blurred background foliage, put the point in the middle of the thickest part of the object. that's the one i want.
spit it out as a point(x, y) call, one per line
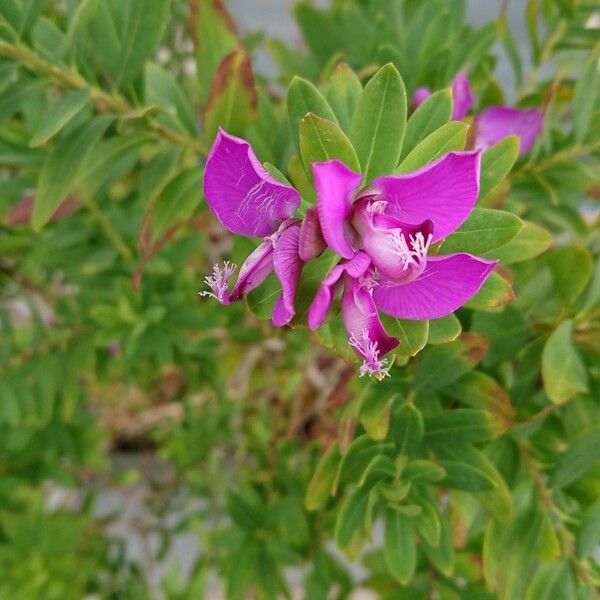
point(473, 472)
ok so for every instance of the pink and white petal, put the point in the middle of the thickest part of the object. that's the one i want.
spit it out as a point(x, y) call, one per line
point(445, 285)
point(444, 191)
point(287, 265)
point(335, 185)
point(355, 268)
point(366, 333)
point(254, 271)
point(497, 122)
point(244, 197)
point(462, 96)
point(311, 243)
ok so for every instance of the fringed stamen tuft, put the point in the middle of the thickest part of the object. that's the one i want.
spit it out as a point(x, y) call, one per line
point(413, 255)
point(372, 364)
point(218, 282)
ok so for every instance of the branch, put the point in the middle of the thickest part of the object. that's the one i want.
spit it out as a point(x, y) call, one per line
point(71, 79)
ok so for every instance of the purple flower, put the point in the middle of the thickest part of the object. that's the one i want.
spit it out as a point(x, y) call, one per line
point(497, 122)
point(494, 123)
point(249, 202)
point(462, 96)
point(383, 233)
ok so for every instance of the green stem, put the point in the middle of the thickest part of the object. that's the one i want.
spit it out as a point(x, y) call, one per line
point(559, 157)
point(111, 233)
point(69, 78)
point(545, 54)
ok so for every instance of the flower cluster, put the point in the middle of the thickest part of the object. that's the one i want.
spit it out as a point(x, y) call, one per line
point(382, 231)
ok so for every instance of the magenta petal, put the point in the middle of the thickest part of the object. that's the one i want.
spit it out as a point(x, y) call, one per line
point(241, 193)
point(288, 266)
point(497, 122)
point(445, 285)
point(462, 96)
point(311, 243)
point(355, 267)
point(335, 185)
point(419, 96)
point(254, 271)
point(366, 333)
point(444, 191)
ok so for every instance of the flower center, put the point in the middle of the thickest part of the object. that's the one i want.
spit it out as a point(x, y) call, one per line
point(412, 253)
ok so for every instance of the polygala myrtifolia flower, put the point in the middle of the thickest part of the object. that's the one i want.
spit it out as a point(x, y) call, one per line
point(493, 123)
point(381, 232)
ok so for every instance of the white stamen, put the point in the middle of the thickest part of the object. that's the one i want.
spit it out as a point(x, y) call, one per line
point(414, 255)
point(369, 350)
point(219, 281)
point(377, 207)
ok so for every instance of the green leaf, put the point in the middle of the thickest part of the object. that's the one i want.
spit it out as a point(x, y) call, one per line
point(478, 390)
point(176, 203)
point(61, 114)
point(261, 300)
point(162, 89)
point(353, 517)
point(496, 163)
point(530, 242)
point(507, 332)
point(321, 483)
point(80, 19)
point(322, 140)
point(485, 230)
point(451, 136)
point(378, 124)
point(381, 468)
point(375, 414)
point(549, 582)
point(407, 429)
point(412, 334)
point(400, 548)
point(444, 330)
point(215, 38)
point(10, 412)
point(429, 117)
point(563, 373)
point(319, 30)
point(156, 173)
point(440, 365)
point(143, 26)
point(582, 453)
point(422, 471)
point(62, 167)
point(427, 524)
point(343, 93)
point(571, 268)
point(493, 294)
point(303, 98)
point(358, 456)
point(312, 275)
point(12, 99)
point(588, 538)
point(442, 557)
point(586, 93)
point(233, 100)
point(466, 424)
point(109, 160)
